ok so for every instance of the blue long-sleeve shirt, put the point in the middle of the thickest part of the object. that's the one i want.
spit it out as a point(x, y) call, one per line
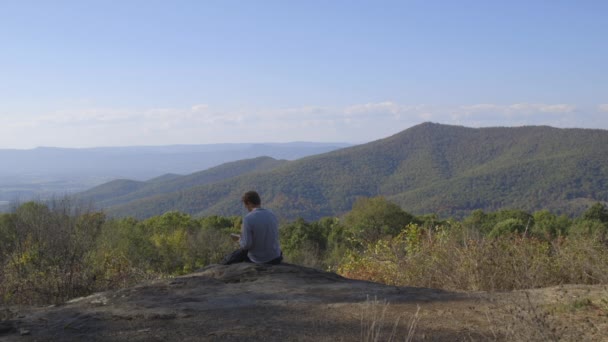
point(260, 236)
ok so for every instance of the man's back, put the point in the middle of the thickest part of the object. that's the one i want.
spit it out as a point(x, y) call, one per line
point(260, 236)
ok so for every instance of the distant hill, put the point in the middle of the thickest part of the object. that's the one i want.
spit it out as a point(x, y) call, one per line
point(123, 191)
point(429, 168)
point(47, 171)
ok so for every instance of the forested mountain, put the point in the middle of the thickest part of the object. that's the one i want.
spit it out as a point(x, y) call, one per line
point(429, 168)
point(123, 190)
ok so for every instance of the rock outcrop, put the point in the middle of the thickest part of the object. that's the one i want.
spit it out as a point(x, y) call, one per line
point(249, 302)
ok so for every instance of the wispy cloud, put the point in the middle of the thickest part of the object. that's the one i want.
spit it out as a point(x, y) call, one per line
point(517, 114)
point(202, 123)
point(534, 108)
point(517, 109)
point(163, 117)
point(373, 109)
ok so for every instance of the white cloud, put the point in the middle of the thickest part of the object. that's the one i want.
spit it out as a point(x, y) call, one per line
point(558, 108)
point(382, 108)
point(388, 110)
point(481, 107)
point(201, 123)
point(517, 109)
point(146, 117)
point(535, 108)
point(517, 114)
point(200, 107)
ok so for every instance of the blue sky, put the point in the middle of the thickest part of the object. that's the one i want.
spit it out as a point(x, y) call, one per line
point(107, 73)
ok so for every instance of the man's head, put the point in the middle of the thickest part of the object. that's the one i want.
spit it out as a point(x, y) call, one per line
point(251, 200)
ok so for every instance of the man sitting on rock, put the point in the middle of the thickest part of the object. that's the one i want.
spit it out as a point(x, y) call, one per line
point(259, 239)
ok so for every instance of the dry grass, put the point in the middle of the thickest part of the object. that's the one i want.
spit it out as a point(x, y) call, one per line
point(454, 262)
point(375, 325)
point(526, 321)
point(532, 316)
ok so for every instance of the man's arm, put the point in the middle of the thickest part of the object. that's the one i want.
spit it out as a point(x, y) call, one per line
point(246, 236)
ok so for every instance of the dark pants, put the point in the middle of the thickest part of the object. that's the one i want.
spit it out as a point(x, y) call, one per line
point(240, 255)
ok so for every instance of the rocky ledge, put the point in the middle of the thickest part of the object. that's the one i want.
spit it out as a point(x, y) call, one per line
point(249, 302)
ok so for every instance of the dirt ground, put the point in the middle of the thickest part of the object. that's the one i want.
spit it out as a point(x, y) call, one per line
point(248, 302)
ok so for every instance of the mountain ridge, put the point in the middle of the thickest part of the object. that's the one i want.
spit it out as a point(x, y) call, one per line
point(428, 168)
point(105, 194)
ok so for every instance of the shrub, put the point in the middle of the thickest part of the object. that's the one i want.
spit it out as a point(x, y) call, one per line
point(48, 260)
point(450, 260)
point(50, 252)
point(305, 243)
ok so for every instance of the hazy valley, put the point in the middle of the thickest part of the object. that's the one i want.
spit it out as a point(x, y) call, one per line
point(45, 172)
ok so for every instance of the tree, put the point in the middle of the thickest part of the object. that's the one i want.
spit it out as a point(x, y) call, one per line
point(548, 225)
point(597, 212)
point(221, 223)
point(373, 218)
point(508, 226)
point(594, 221)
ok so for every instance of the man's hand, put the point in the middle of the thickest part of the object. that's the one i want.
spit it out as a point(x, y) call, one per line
point(235, 237)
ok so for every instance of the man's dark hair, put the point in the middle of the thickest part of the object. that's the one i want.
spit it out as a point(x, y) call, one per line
point(252, 197)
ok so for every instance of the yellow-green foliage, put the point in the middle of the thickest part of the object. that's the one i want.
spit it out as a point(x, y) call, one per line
point(170, 244)
point(55, 251)
point(446, 258)
point(52, 252)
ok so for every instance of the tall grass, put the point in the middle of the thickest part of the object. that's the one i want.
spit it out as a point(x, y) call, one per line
point(452, 260)
point(374, 325)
